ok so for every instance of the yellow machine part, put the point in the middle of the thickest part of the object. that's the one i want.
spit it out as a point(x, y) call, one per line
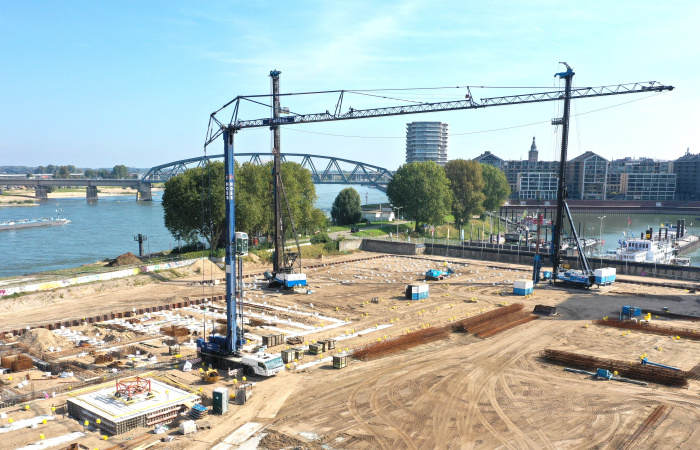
point(211, 376)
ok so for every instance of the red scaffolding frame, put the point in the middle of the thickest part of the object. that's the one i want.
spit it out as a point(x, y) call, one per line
point(130, 387)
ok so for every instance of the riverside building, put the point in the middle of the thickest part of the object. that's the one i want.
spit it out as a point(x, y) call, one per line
point(426, 141)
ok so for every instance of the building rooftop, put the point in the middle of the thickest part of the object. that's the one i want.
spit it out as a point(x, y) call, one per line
point(585, 156)
point(103, 403)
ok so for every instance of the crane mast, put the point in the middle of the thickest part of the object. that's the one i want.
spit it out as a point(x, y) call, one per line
point(231, 339)
point(278, 258)
point(561, 187)
point(217, 128)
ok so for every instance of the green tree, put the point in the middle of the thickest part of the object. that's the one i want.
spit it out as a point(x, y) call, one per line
point(62, 172)
point(71, 168)
point(423, 191)
point(51, 169)
point(30, 175)
point(186, 198)
point(253, 198)
point(347, 207)
point(188, 214)
point(89, 173)
point(301, 196)
point(120, 171)
point(466, 184)
point(496, 188)
point(103, 173)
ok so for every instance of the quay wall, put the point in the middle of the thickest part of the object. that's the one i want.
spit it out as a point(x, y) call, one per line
point(527, 257)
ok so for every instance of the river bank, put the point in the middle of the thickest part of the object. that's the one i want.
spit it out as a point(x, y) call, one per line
point(21, 195)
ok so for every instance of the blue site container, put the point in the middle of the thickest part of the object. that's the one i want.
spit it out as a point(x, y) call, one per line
point(635, 311)
point(518, 291)
point(602, 373)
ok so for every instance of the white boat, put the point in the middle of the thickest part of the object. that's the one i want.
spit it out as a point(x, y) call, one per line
point(679, 261)
point(644, 250)
point(32, 223)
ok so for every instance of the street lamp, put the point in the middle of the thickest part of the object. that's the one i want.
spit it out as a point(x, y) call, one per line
point(601, 240)
point(398, 208)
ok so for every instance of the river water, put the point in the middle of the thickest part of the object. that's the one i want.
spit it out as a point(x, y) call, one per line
point(103, 229)
point(106, 229)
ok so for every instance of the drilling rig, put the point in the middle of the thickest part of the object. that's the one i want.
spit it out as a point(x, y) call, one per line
point(284, 273)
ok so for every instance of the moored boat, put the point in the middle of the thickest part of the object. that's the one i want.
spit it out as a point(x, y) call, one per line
point(33, 223)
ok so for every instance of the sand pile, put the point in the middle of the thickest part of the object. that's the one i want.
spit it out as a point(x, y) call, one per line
point(41, 339)
point(252, 257)
point(127, 259)
point(208, 268)
point(104, 334)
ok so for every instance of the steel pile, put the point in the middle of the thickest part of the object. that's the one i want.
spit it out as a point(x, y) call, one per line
point(645, 428)
point(506, 323)
point(676, 378)
point(404, 342)
point(696, 372)
point(493, 322)
point(646, 327)
point(466, 325)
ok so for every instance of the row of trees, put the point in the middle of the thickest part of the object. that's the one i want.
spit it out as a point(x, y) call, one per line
point(194, 202)
point(118, 171)
point(51, 169)
point(427, 192)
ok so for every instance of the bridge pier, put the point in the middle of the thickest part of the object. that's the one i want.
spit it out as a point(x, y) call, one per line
point(41, 192)
point(143, 192)
point(91, 193)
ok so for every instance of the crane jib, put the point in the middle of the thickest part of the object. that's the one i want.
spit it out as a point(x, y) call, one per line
point(470, 103)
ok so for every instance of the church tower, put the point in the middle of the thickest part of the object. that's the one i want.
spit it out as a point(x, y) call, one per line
point(532, 156)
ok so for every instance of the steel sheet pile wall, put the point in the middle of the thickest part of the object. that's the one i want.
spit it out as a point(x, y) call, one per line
point(650, 328)
point(404, 342)
point(676, 378)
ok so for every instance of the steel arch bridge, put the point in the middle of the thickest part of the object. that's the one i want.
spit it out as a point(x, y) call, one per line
point(324, 169)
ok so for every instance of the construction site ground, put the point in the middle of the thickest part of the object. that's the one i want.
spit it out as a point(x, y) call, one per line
point(458, 392)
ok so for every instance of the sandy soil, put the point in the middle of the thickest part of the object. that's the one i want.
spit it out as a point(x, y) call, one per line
point(28, 194)
point(463, 392)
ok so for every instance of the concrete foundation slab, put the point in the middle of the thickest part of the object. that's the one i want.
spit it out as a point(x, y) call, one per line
point(118, 415)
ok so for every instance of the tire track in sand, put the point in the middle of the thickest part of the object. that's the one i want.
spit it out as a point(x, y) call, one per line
point(378, 410)
point(510, 349)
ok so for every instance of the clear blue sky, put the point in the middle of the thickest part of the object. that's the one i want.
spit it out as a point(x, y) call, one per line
point(96, 84)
